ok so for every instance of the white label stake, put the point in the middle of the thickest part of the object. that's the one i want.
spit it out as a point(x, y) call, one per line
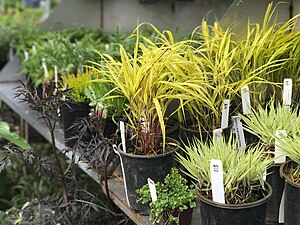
point(216, 173)
point(279, 158)
point(287, 91)
point(225, 113)
point(217, 134)
point(239, 131)
point(46, 74)
point(246, 104)
point(123, 172)
point(122, 129)
point(55, 77)
point(152, 189)
point(281, 209)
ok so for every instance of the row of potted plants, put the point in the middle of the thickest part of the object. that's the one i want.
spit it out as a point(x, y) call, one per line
point(161, 83)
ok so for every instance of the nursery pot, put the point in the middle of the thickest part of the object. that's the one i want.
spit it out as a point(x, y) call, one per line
point(213, 213)
point(291, 197)
point(71, 113)
point(277, 183)
point(187, 135)
point(138, 168)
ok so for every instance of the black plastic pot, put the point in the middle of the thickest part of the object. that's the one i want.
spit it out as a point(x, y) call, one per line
point(277, 183)
point(213, 213)
point(291, 197)
point(71, 113)
point(138, 168)
point(187, 135)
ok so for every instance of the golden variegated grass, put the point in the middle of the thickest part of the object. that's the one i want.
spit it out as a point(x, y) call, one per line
point(242, 170)
point(265, 121)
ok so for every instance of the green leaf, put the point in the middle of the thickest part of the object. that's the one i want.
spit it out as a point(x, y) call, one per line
point(12, 137)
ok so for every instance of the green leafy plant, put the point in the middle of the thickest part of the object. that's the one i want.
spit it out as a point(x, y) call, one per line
point(173, 197)
point(78, 83)
point(264, 122)
point(242, 170)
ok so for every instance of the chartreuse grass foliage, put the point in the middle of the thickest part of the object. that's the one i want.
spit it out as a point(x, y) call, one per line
point(243, 171)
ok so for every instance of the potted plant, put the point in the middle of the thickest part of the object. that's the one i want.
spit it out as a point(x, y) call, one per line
point(175, 200)
point(77, 104)
point(264, 123)
point(290, 171)
point(147, 81)
point(245, 192)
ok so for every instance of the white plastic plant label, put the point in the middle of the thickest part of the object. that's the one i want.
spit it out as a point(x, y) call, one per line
point(239, 131)
point(217, 134)
point(287, 91)
point(225, 113)
point(123, 172)
point(217, 183)
point(45, 68)
point(122, 130)
point(281, 209)
point(278, 157)
point(26, 55)
point(55, 77)
point(246, 104)
point(152, 189)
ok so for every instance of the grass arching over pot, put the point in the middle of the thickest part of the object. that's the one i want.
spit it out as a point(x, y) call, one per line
point(290, 147)
point(148, 81)
point(264, 122)
point(243, 171)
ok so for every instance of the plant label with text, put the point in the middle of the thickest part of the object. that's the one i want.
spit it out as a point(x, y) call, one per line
point(217, 134)
point(225, 113)
point(287, 91)
point(122, 130)
point(246, 104)
point(238, 130)
point(217, 183)
point(279, 158)
point(152, 189)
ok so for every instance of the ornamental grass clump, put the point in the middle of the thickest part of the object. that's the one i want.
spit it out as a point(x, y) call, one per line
point(243, 171)
point(265, 121)
point(290, 147)
point(149, 80)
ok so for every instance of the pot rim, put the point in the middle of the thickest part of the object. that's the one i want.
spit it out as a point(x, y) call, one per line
point(168, 139)
point(239, 206)
point(285, 176)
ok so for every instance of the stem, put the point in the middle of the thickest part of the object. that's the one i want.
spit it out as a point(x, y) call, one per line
point(60, 170)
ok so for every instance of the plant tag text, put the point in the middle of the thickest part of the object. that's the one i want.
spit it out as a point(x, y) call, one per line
point(225, 113)
point(246, 104)
point(238, 131)
point(279, 158)
point(217, 134)
point(216, 173)
point(152, 189)
point(287, 91)
point(122, 129)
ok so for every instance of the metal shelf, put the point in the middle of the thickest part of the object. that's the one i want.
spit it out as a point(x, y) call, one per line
point(9, 81)
point(9, 77)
